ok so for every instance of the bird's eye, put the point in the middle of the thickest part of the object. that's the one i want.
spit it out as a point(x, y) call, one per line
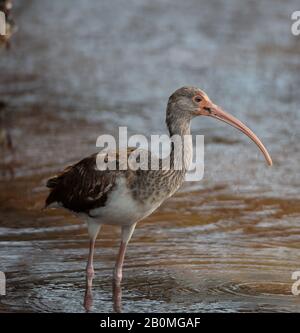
point(197, 99)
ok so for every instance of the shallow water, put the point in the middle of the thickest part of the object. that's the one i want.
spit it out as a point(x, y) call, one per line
point(228, 243)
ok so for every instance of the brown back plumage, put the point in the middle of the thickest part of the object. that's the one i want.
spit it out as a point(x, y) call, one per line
point(81, 187)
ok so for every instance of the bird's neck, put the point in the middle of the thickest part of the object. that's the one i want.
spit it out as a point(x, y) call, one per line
point(181, 145)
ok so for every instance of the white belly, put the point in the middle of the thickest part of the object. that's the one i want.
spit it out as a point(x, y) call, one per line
point(121, 208)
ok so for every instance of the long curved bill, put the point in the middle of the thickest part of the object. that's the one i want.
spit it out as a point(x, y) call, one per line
point(216, 112)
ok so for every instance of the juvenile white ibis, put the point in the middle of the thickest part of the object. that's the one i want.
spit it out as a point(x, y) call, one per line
point(124, 197)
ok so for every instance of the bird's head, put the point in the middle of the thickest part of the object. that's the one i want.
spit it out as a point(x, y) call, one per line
point(188, 102)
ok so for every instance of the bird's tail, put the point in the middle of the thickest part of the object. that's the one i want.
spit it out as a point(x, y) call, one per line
point(52, 184)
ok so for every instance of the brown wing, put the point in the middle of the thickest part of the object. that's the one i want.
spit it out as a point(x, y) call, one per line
point(81, 187)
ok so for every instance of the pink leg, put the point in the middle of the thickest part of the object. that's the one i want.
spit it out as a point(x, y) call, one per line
point(90, 266)
point(127, 232)
point(88, 297)
point(119, 264)
point(93, 229)
point(117, 298)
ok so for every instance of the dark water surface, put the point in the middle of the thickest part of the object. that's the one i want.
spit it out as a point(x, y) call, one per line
point(78, 69)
